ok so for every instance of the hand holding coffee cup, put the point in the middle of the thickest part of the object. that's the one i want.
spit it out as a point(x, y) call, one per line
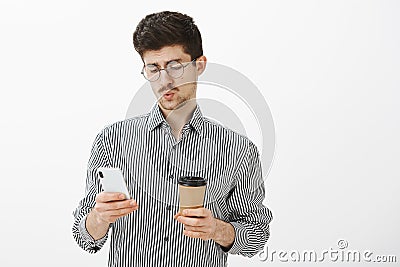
point(198, 221)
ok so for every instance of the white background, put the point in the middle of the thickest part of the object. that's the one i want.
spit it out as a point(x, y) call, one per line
point(328, 69)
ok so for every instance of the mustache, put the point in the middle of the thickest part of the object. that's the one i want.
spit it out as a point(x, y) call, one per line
point(166, 89)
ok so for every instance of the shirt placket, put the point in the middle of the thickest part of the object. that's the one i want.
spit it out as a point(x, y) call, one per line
point(172, 145)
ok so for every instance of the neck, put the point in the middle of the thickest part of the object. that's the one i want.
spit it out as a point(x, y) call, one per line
point(177, 118)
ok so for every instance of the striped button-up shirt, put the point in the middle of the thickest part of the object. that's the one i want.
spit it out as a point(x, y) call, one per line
point(152, 160)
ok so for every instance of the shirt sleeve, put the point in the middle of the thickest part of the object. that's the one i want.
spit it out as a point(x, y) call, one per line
point(98, 158)
point(247, 214)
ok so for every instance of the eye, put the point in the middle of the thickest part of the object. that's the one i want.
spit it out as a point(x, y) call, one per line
point(174, 65)
point(151, 69)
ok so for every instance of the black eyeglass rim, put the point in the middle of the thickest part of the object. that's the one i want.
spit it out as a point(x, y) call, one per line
point(159, 71)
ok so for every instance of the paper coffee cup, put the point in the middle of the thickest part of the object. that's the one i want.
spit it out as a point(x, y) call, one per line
point(191, 192)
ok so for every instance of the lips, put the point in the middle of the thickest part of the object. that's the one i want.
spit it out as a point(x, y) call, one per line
point(168, 95)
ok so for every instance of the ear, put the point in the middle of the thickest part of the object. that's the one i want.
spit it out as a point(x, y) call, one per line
point(201, 63)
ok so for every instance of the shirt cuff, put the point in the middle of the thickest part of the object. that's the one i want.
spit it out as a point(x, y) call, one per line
point(87, 238)
point(241, 239)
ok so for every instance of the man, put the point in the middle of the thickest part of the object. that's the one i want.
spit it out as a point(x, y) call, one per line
point(155, 149)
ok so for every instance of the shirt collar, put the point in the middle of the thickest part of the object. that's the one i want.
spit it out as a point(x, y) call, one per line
point(156, 118)
point(197, 120)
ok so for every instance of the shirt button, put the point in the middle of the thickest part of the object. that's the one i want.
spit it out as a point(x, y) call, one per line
point(168, 207)
point(166, 238)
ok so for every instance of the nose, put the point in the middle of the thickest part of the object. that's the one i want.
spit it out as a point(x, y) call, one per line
point(165, 80)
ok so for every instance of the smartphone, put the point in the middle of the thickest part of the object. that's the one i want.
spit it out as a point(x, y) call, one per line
point(112, 180)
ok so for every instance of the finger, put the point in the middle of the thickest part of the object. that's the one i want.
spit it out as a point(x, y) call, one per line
point(177, 215)
point(119, 213)
point(199, 229)
point(122, 204)
point(112, 216)
point(109, 196)
point(191, 221)
point(193, 234)
point(199, 212)
point(115, 205)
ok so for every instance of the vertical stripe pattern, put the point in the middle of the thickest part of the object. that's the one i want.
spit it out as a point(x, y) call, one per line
point(151, 161)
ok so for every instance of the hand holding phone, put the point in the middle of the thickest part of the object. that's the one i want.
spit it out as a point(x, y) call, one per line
point(114, 202)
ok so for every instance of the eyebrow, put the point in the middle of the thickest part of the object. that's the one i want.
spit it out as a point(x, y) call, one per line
point(166, 63)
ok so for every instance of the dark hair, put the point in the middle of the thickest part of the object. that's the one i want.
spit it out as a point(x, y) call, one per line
point(168, 28)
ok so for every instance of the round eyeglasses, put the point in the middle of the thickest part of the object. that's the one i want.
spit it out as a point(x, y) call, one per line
point(174, 69)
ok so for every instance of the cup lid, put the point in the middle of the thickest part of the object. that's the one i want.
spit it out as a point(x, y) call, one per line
point(191, 181)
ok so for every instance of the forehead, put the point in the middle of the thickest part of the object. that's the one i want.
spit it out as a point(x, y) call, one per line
point(165, 54)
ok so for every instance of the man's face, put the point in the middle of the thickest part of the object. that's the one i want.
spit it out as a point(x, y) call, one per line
point(172, 92)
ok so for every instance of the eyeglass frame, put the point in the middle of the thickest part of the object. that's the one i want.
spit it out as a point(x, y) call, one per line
point(159, 70)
